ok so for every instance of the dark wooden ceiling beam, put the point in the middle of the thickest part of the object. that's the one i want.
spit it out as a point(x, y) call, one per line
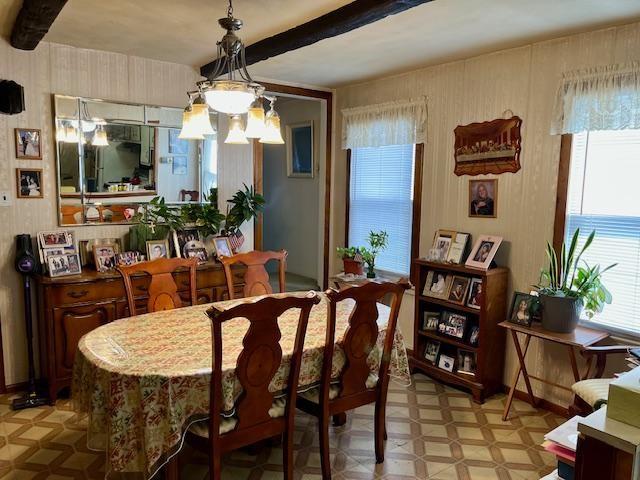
point(349, 17)
point(33, 22)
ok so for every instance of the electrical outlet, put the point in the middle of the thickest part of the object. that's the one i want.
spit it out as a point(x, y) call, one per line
point(5, 199)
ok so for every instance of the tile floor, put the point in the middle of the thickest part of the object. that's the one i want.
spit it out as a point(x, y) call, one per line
point(435, 432)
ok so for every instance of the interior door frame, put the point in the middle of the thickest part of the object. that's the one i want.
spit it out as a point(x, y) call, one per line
point(258, 162)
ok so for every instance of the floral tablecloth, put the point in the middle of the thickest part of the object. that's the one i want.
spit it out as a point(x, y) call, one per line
point(143, 380)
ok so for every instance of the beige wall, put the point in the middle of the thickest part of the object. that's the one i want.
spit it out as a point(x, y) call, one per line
point(524, 81)
point(55, 68)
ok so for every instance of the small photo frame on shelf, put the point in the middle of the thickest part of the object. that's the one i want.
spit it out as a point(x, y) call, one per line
point(453, 324)
point(466, 362)
point(483, 252)
point(104, 257)
point(458, 248)
point(458, 290)
point(431, 349)
point(446, 362)
point(523, 308)
point(198, 252)
point(184, 236)
point(55, 239)
point(222, 246)
point(157, 249)
point(442, 241)
point(474, 336)
point(430, 321)
point(436, 284)
point(475, 294)
point(63, 265)
point(483, 198)
point(29, 183)
point(28, 144)
point(86, 248)
point(128, 258)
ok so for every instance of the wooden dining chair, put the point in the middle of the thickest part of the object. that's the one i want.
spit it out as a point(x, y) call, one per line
point(163, 291)
point(257, 416)
point(356, 385)
point(256, 277)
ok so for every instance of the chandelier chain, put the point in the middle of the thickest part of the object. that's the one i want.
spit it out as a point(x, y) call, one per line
point(230, 9)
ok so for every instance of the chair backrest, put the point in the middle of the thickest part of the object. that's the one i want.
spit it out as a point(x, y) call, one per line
point(163, 291)
point(256, 277)
point(257, 364)
point(194, 195)
point(361, 335)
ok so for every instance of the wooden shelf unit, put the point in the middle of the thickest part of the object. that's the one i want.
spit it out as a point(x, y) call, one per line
point(490, 348)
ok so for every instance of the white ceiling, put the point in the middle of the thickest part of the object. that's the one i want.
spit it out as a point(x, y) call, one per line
point(444, 30)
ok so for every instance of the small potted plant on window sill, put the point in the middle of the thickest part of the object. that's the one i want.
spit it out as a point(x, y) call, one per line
point(351, 259)
point(377, 242)
point(567, 287)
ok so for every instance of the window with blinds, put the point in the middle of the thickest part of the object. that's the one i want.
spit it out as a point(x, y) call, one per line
point(381, 198)
point(604, 195)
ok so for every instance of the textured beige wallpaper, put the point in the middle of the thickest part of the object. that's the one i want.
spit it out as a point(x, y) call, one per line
point(524, 81)
point(53, 68)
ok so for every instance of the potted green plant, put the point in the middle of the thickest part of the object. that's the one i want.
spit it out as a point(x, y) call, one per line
point(351, 263)
point(205, 216)
point(244, 205)
point(155, 220)
point(568, 286)
point(377, 242)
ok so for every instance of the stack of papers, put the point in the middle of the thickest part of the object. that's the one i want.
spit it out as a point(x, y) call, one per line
point(563, 442)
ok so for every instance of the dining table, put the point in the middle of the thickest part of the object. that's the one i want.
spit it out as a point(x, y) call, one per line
point(139, 383)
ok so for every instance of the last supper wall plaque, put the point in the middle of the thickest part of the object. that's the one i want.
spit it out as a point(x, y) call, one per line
point(488, 147)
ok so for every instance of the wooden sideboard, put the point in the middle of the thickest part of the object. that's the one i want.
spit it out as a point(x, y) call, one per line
point(69, 307)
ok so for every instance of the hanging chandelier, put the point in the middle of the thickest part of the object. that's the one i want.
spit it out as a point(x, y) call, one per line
point(231, 90)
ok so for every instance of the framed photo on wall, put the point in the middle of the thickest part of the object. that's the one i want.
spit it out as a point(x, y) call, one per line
point(483, 251)
point(299, 139)
point(29, 183)
point(28, 144)
point(483, 198)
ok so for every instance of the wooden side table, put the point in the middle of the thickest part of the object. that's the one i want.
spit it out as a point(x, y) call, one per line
point(580, 338)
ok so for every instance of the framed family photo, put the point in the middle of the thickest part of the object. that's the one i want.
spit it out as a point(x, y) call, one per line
point(458, 290)
point(104, 257)
point(29, 183)
point(182, 237)
point(483, 251)
point(475, 294)
point(436, 284)
point(431, 350)
point(28, 144)
point(157, 249)
point(430, 321)
point(483, 198)
point(62, 265)
point(222, 246)
point(523, 309)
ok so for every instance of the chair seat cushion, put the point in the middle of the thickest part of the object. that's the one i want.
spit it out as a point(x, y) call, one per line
point(594, 391)
point(313, 395)
point(227, 424)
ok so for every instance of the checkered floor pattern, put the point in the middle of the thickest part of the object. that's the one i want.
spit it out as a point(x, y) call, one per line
point(435, 432)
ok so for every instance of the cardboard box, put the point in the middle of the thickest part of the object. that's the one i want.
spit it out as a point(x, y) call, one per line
point(624, 398)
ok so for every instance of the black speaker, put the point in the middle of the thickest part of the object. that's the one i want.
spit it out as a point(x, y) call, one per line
point(11, 97)
point(26, 265)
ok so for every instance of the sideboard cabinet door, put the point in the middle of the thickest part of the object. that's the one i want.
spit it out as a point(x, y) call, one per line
point(70, 324)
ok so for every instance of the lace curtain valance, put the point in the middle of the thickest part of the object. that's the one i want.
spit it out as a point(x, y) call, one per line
point(599, 98)
point(392, 123)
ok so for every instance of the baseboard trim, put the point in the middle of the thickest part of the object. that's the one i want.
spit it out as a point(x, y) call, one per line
point(542, 403)
point(15, 387)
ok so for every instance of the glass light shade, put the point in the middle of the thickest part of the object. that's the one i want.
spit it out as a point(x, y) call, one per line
point(100, 139)
point(232, 97)
point(190, 128)
point(71, 135)
point(236, 134)
point(272, 134)
point(200, 117)
point(255, 122)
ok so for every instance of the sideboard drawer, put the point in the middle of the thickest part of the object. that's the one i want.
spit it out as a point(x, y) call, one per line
point(86, 292)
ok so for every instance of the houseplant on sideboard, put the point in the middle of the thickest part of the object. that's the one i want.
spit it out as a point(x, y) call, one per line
point(155, 221)
point(567, 287)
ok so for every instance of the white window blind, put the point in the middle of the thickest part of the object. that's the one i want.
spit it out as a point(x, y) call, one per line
point(604, 195)
point(381, 198)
